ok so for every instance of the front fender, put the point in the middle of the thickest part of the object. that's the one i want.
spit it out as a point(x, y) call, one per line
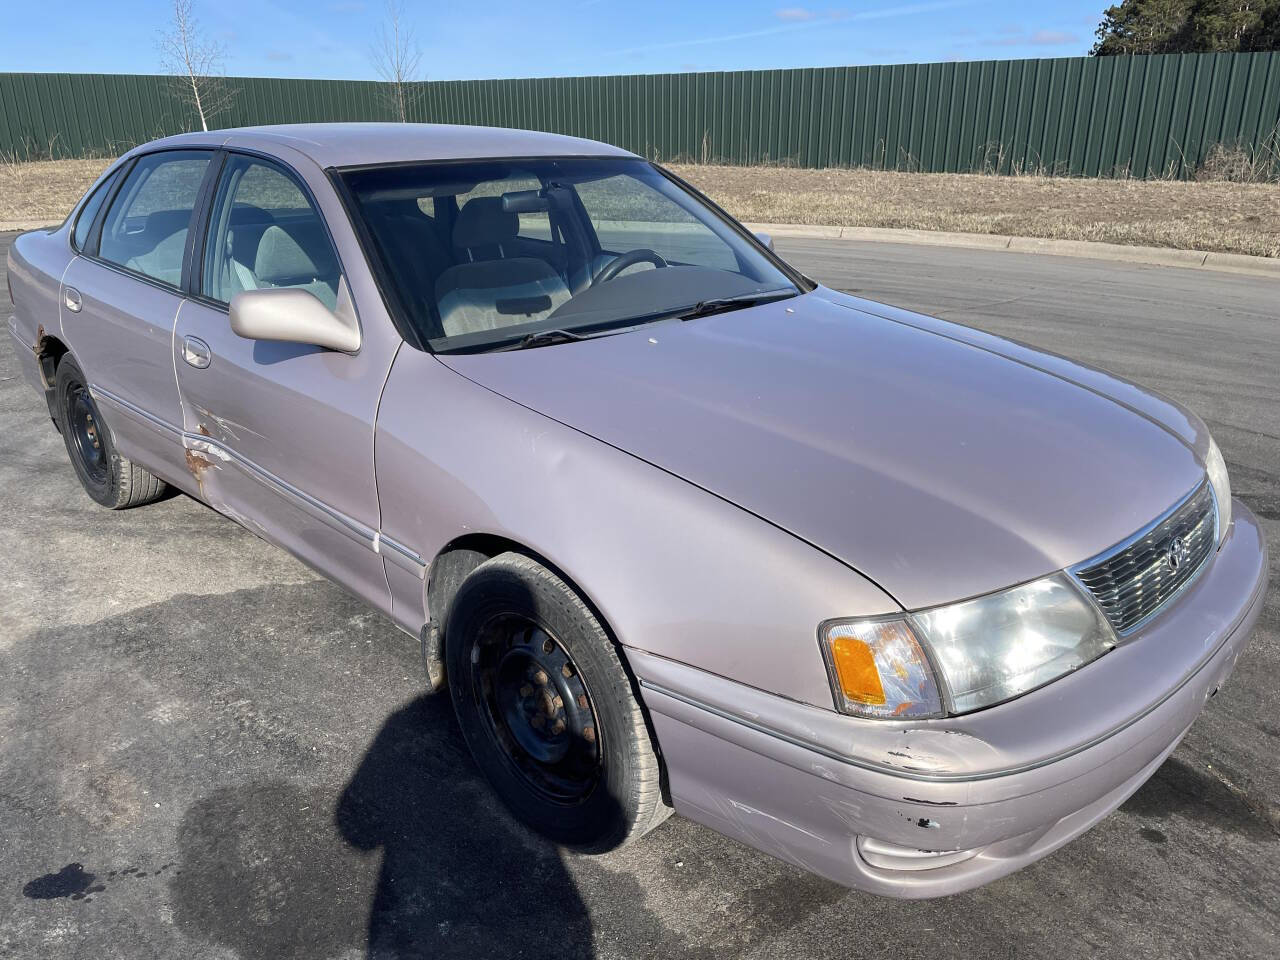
point(676, 571)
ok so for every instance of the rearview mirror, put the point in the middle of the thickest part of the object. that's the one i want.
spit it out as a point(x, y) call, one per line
point(765, 239)
point(296, 316)
point(525, 201)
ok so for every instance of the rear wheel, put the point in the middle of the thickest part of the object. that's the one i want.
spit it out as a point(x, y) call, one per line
point(107, 477)
point(547, 709)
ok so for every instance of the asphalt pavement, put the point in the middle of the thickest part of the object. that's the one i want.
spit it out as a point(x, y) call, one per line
point(207, 751)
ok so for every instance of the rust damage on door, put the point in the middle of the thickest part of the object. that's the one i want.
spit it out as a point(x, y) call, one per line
point(199, 461)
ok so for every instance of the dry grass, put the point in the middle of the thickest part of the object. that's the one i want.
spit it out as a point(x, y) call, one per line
point(1201, 215)
point(1211, 216)
point(43, 191)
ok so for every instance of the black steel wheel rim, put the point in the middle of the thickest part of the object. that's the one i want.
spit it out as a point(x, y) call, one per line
point(537, 709)
point(86, 436)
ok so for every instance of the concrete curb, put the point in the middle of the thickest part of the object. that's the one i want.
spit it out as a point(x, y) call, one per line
point(1155, 256)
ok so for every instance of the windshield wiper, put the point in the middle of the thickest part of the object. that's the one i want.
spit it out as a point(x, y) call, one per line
point(705, 308)
point(545, 338)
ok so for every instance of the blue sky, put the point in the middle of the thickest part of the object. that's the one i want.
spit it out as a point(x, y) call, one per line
point(505, 38)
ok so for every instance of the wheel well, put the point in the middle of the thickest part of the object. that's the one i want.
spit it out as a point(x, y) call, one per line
point(49, 352)
point(454, 564)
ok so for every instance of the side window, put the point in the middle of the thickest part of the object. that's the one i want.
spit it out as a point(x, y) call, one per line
point(89, 212)
point(264, 232)
point(146, 226)
point(627, 214)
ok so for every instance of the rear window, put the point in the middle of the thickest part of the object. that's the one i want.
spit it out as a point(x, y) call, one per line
point(89, 212)
point(146, 226)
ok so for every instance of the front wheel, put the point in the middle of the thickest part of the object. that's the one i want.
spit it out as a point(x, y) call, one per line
point(547, 709)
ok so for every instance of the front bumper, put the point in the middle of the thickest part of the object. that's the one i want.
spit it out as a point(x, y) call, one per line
point(1000, 788)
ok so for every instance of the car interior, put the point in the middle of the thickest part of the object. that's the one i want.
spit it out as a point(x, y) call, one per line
point(485, 259)
point(146, 227)
point(261, 249)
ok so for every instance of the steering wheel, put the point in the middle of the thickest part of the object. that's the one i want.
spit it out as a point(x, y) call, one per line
point(628, 259)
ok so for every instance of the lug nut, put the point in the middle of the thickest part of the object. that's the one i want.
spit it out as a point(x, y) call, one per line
point(557, 703)
point(540, 678)
point(558, 727)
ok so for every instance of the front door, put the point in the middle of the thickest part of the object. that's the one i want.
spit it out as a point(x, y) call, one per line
point(120, 300)
point(280, 435)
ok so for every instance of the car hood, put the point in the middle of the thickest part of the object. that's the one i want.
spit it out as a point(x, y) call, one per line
point(937, 468)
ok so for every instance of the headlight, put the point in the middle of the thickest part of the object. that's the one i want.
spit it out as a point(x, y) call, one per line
point(985, 651)
point(1216, 467)
point(997, 647)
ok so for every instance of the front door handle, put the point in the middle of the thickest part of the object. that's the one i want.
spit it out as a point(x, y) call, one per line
point(196, 352)
point(71, 298)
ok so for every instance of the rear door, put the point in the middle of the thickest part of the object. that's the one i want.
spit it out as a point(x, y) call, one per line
point(280, 435)
point(120, 299)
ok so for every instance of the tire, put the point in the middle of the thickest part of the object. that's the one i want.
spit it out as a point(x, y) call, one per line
point(107, 477)
point(547, 708)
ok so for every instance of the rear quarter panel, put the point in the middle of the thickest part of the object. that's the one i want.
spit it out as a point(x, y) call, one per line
point(36, 262)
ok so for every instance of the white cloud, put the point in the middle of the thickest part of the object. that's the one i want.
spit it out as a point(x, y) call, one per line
point(794, 14)
point(883, 13)
point(1052, 38)
point(1018, 37)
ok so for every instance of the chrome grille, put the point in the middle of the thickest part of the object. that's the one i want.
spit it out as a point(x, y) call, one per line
point(1133, 579)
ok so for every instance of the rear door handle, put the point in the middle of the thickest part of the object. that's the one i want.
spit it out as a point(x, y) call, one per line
point(71, 299)
point(196, 352)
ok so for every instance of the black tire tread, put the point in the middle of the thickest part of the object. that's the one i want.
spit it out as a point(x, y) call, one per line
point(646, 801)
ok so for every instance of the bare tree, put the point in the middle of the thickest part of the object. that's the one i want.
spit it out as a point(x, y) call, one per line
point(196, 64)
point(397, 57)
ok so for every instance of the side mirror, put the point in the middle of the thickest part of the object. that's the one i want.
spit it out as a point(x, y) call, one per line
point(296, 316)
point(765, 239)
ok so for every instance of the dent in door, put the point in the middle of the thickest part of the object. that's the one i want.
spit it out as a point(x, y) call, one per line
point(279, 437)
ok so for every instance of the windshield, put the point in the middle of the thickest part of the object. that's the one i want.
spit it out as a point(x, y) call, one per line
point(481, 254)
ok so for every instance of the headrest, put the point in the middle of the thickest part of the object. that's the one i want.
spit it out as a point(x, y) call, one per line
point(396, 207)
point(482, 222)
point(280, 257)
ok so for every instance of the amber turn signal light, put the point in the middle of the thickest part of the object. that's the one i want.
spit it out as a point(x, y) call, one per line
point(856, 669)
point(878, 669)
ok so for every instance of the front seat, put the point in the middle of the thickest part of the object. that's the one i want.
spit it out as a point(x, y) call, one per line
point(280, 261)
point(492, 290)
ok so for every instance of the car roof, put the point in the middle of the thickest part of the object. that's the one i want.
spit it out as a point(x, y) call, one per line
point(354, 144)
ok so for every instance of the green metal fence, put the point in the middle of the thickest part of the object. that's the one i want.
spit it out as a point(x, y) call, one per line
point(1107, 116)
